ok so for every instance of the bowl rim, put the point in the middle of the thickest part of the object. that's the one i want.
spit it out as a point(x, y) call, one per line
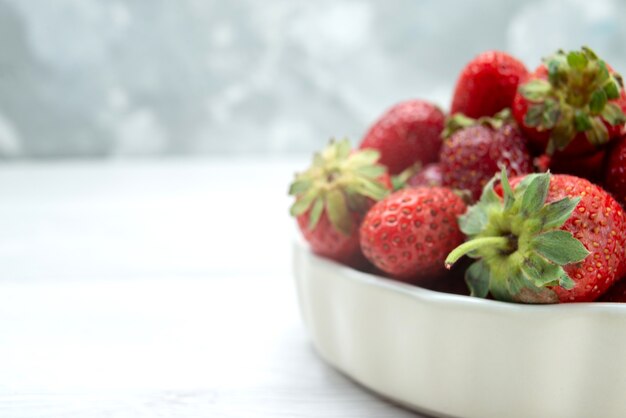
point(467, 302)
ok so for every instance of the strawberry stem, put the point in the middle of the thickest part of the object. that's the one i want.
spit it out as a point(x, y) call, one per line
point(475, 244)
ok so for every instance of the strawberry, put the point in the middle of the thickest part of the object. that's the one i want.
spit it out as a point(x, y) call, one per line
point(550, 238)
point(615, 174)
point(571, 105)
point(408, 234)
point(332, 197)
point(590, 167)
point(476, 148)
point(428, 176)
point(451, 282)
point(616, 293)
point(406, 134)
point(487, 84)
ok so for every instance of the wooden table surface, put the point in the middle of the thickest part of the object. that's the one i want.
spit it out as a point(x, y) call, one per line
point(157, 289)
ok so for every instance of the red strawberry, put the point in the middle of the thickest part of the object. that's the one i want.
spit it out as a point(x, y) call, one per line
point(552, 239)
point(332, 197)
point(590, 167)
point(487, 84)
point(406, 134)
point(615, 175)
point(451, 282)
point(616, 293)
point(328, 241)
point(571, 105)
point(408, 234)
point(474, 152)
point(428, 176)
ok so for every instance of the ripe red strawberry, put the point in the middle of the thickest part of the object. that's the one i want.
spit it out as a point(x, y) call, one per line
point(487, 84)
point(408, 234)
point(616, 293)
point(615, 175)
point(474, 153)
point(571, 105)
point(428, 176)
point(551, 239)
point(408, 133)
point(332, 197)
point(590, 167)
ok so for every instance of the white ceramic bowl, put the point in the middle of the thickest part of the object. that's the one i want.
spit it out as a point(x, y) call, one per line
point(451, 355)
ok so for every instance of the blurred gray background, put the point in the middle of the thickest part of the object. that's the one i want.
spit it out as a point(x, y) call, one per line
point(154, 77)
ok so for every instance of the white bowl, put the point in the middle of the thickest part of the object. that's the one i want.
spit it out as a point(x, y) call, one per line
point(451, 355)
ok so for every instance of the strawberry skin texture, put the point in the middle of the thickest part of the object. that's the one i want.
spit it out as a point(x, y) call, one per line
point(326, 241)
point(471, 156)
point(487, 84)
point(615, 176)
point(408, 234)
point(589, 166)
point(617, 293)
point(599, 222)
point(407, 133)
point(538, 139)
point(428, 176)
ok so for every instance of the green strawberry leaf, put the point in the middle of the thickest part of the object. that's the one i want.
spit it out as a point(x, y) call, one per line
point(300, 185)
point(343, 149)
point(612, 90)
point(338, 213)
point(565, 281)
point(582, 122)
point(603, 74)
point(509, 197)
point(455, 123)
point(560, 247)
point(535, 90)
point(316, 212)
point(598, 133)
point(613, 114)
point(516, 283)
point(534, 115)
point(520, 290)
point(540, 271)
point(564, 130)
point(535, 195)
point(365, 157)
point(590, 54)
point(552, 114)
point(597, 101)
point(554, 214)
point(371, 188)
point(371, 171)
point(399, 181)
point(474, 220)
point(489, 194)
point(477, 279)
point(554, 70)
point(577, 60)
point(523, 184)
point(302, 204)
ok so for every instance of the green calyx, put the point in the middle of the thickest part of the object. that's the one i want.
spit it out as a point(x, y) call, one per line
point(520, 249)
point(400, 180)
point(459, 121)
point(575, 98)
point(339, 181)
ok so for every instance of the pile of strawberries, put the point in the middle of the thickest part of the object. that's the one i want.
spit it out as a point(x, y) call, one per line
point(520, 187)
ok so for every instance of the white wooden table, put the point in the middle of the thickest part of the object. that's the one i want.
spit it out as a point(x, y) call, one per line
point(157, 289)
